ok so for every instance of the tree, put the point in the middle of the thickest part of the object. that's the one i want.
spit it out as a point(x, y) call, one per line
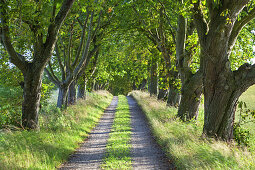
point(218, 24)
point(154, 23)
point(42, 47)
point(72, 67)
point(191, 89)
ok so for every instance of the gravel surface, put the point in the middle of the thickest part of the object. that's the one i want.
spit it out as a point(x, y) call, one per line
point(145, 152)
point(91, 153)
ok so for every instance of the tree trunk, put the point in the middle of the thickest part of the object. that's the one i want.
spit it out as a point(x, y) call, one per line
point(191, 90)
point(174, 97)
point(62, 96)
point(32, 96)
point(142, 85)
point(221, 92)
point(154, 77)
point(191, 96)
point(82, 91)
point(134, 85)
point(72, 93)
point(222, 86)
point(162, 94)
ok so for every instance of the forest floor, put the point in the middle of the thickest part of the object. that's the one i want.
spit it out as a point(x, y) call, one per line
point(145, 153)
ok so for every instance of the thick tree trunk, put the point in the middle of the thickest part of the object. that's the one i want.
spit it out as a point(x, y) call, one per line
point(174, 97)
point(142, 85)
point(162, 94)
point(154, 77)
point(62, 97)
point(221, 93)
point(72, 93)
point(191, 96)
point(32, 96)
point(220, 102)
point(82, 91)
point(191, 90)
point(222, 86)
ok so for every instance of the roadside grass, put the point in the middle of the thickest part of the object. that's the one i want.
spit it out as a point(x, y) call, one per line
point(118, 146)
point(249, 98)
point(60, 134)
point(184, 143)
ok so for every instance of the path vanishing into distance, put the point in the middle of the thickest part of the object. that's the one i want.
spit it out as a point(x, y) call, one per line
point(145, 152)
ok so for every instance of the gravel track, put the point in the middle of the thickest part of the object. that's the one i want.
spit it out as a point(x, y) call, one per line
point(92, 151)
point(145, 152)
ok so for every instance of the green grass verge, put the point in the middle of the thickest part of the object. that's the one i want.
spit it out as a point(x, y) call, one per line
point(118, 146)
point(249, 98)
point(60, 134)
point(183, 141)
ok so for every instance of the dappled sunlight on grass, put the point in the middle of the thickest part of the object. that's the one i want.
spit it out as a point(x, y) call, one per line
point(184, 143)
point(60, 134)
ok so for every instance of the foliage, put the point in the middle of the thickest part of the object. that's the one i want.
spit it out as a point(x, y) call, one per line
point(243, 49)
point(123, 61)
point(241, 133)
point(60, 134)
point(10, 106)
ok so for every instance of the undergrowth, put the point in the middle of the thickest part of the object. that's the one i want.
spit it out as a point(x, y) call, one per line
point(183, 142)
point(60, 134)
point(118, 146)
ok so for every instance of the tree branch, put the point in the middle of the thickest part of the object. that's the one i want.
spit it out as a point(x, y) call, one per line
point(86, 48)
point(16, 58)
point(245, 76)
point(52, 72)
point(167, 17)
point(84, 26)
point(68, 64)
point(60, 62)
point(239, 26)
point(51, 77)
point(200, 22)
point(53, 30)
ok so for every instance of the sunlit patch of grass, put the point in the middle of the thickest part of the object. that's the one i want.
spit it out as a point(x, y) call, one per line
point(249, 98)
point(60, 134)
point(183, 142)
point(118, 146)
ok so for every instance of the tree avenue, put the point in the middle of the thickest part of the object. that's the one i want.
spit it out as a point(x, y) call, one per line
point(181, 52)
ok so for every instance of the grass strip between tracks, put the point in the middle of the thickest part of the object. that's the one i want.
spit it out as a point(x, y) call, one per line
point(118, 146)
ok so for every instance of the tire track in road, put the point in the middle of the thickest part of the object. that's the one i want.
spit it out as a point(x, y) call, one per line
point(145, 152)
point(90, 155)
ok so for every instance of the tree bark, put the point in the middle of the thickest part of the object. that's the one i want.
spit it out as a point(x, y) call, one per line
point(142, 86)
point(191, 97)
point(72, 93)
point(174, 97)
point(62, 96)
point(162, 94)
point(154, 77)
point(31, 95)
point(191, 89)
point(82, 91)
